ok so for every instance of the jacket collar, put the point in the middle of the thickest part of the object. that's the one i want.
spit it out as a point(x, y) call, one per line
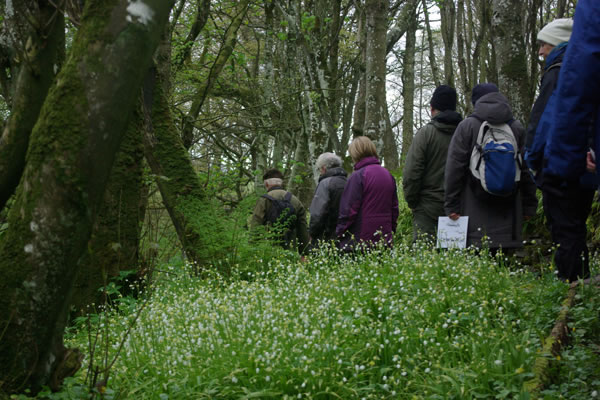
point(449, 117)
point(366, 161)
point(556, 55)
point(335, 171)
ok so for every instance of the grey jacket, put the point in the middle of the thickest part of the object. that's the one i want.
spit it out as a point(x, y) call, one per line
point(498, 218)
point(325, 204)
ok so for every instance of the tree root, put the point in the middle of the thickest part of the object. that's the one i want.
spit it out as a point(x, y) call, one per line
point(558, 338)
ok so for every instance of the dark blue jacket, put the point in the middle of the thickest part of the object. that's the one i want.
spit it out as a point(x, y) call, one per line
point(573, 117)
point(536, 142)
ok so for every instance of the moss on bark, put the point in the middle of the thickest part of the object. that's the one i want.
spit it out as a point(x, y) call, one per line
point(171, 164)
point(33, 82)
point(72, 148)
point(113, 246)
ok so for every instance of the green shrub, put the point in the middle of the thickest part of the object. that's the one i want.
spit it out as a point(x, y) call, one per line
point(227, 245)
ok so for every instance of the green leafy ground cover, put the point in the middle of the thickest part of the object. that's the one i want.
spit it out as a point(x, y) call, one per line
point(409, 323)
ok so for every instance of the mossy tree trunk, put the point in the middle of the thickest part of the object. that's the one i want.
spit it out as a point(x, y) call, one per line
point(171, 165)
point(40, 51)
point(71, 151)
point(114, 243)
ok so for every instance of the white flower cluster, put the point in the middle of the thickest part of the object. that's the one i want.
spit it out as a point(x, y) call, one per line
point(388, 322)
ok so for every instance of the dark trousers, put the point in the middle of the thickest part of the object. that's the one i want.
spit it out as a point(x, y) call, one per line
point(424, 225)
point(567, 207)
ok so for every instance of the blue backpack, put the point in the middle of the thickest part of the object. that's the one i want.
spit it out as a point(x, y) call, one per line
point(496, 160)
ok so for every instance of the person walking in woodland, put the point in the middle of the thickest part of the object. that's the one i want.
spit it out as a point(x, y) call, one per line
point(552, 40)
point(423, 175)
point(281, 212)
point(369, 204)
point(567, 204)
point(495, 218)
point(325, 205)
point(571, 122)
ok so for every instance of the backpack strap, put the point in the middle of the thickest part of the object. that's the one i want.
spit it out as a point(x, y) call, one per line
point(288, 198)
point(556, 65)
point(266, 196)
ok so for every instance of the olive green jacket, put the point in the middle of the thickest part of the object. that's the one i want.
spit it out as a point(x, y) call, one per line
point(423, 175)
point(300, 235)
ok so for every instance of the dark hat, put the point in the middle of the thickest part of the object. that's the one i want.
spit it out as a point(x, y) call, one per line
point(481, 90)
point(444, 98)
point(272, 173)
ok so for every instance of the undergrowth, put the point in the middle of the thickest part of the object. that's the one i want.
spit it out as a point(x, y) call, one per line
point(406, 323)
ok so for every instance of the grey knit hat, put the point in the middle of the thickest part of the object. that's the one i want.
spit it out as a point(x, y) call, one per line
point(556, 32)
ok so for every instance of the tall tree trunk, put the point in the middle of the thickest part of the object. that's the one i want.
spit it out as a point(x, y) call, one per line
point(432, 58)
point(360, 104)
point(71, 152)
point(533, 61)
point(375, 121)
point(335, 99)
point(390, 148)
point(408, 87)
point(35, 75)
point(508, 36)
point(461, 45)
point(478, 71)
point(169, 161)
point(448, 23)
point(113, 246)
point(350, 100)
point(262, 139)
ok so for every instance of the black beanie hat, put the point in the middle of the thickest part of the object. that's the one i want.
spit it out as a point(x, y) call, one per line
point(444, 98)
point(481, 90)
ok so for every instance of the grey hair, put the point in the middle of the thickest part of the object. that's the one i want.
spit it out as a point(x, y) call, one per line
point(328, 160)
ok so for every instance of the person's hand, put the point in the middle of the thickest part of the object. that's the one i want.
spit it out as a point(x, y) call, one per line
point(454, 216)
point(590, 163)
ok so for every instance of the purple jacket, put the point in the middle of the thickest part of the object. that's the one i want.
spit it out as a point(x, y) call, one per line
point(369, 204)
